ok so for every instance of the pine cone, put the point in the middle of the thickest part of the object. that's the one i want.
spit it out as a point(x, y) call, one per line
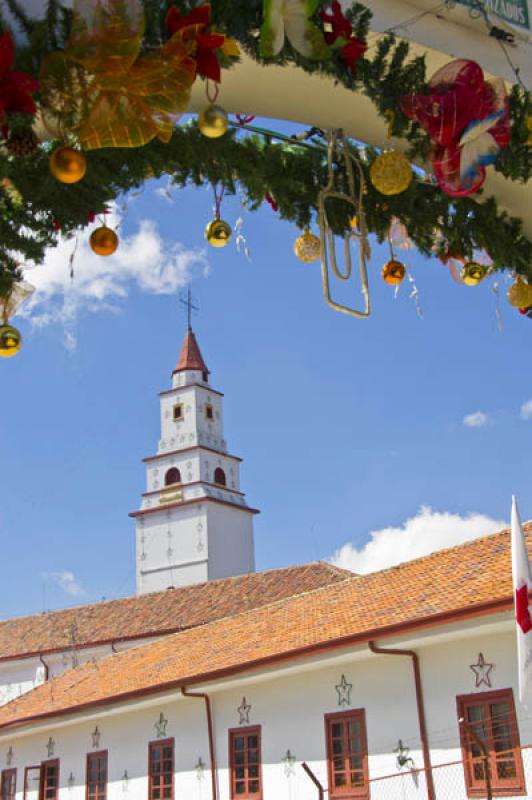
point(22, 143)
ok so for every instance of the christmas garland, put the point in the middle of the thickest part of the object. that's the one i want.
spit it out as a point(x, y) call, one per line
point(34, 207)
point(255, 166)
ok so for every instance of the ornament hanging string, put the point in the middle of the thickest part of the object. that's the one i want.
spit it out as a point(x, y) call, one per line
point(390, 245)
point(72, 256)
point(212, 94)
point(218, 197)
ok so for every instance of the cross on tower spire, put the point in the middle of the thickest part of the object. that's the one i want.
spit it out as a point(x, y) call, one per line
point(187, 301)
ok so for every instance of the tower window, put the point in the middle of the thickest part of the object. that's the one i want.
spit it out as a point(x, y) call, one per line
point(172, 476)
point(209, 411)
point(205, 376)
point(219, 476)
point(178, 412)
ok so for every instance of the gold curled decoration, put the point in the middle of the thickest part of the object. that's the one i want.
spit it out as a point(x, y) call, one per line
point(338, 150)
point(104, 90)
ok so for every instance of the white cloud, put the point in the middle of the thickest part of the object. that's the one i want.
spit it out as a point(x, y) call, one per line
point(424, 533)
point(143, 260)
point(67, 582)
point(526, 410)
point(476, 420)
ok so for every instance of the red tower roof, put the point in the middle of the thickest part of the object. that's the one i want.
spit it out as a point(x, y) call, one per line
point(190, 357)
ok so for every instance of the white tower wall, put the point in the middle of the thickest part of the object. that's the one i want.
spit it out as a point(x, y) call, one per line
point(230, 541)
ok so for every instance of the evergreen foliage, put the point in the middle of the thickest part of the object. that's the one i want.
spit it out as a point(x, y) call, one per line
point(291, 174)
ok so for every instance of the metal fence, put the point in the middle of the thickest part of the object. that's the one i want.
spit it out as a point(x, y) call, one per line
point(448, 781)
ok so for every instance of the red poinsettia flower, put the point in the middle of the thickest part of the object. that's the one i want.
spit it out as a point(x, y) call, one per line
point(354, 48)
point(16, 88)
point(195, 26)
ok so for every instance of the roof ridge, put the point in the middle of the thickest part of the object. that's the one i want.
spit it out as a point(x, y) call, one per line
point(467, 543)
point(86, 666)
point(161, 592)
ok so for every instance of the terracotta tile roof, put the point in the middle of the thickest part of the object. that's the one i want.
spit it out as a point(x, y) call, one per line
point(159, 612)
point(190, 356)
point(466, 580)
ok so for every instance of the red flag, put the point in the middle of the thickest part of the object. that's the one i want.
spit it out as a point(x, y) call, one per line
point(522, 583)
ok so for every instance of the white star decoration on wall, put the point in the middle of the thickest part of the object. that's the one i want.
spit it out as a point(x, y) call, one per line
point(482, 672)
point(344, 692)
point(243, 710)
point(200, 768)
point(289, 761)
point(160, 726)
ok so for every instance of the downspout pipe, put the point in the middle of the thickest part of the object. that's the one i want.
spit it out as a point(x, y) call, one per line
point(46, 668)
point(212, 754)
point(420, 708)
point(315, 781)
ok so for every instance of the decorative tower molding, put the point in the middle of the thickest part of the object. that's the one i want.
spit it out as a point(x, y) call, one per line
point(194, 524)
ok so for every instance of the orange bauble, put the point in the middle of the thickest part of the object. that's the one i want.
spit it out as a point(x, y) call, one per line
point(68, 165)
point(103, 241)
point(393, 272)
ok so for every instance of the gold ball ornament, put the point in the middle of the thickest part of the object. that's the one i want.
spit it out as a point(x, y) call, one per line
point(472, 273)
point(393, 272)
point(10, 341)
point(213, 122)
point(307, 247)
point(68, 165)
point(103, 241)
point(391, 172)
point(218, 232)
point(520, 294)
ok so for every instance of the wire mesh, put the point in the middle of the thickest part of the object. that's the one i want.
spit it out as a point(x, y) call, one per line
point(448, 781)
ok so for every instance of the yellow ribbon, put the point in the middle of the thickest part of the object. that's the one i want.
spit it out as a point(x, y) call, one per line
point(104, 91)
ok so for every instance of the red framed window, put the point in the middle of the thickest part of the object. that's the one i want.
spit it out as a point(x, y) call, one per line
point(347, 754)
point(245, 763)
point(161, 770)
point(96, 781)
point(32, 782)
point(491, 715)
point(8, 784)
point(49, 789)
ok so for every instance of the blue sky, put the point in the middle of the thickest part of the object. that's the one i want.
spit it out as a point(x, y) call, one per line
point(346, 426)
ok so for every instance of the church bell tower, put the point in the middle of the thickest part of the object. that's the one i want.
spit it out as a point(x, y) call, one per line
point(194, 524)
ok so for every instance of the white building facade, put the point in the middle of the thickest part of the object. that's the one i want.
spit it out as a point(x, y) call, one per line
point(267, 722)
